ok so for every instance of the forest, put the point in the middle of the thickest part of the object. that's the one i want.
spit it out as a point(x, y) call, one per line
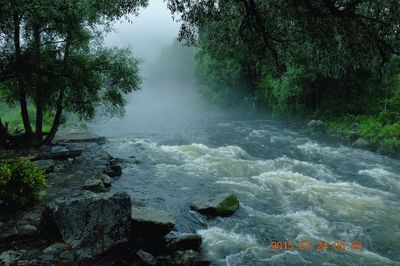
point(334, 60)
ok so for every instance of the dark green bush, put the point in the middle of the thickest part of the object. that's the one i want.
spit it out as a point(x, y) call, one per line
point(20, 183)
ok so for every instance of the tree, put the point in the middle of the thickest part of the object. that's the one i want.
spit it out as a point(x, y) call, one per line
point(51, 55)
point(304, 44)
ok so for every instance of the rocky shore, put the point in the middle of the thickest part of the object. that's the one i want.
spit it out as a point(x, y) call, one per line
point(80, 222)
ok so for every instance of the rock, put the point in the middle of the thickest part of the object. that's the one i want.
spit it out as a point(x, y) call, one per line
point(138, 161)
point(151, 222)
point(27, 230)
point(354, 126)
point(360, 143)
point(47, 258)
point(9, 234)
point(94, 185)
point(165, 260)
point(67, 255)
point(77, 137)
point(90, 223)
point(105, 179)
point(224, 204)
point(146, 257)
point(114, 170)
point(47, 166)
point(32, 217)
point(316, 125)
point(186, 241)
point(56, 249)
point(186, 258)
point(10, 257)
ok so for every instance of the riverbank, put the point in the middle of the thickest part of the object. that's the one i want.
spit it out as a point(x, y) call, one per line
point(79, 221)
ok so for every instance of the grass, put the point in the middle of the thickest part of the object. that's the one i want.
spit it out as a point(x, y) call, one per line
point(381, 131)
point(12, 116)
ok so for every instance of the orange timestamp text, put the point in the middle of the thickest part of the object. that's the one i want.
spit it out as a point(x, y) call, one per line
point(316, 246)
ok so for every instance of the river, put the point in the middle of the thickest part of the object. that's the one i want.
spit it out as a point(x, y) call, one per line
point(291, 187)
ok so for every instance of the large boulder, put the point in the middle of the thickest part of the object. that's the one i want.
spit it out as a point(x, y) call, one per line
point(151, 223)
point(176, 241)
point(90, 223)
point(224, 204)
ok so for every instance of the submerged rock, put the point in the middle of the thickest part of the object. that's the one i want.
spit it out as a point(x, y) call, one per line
point(90, 223)
point(360, 143)
point(151, 223)
point(146, 257)
point(185, 241)
point(94, 185)
point(224, 204)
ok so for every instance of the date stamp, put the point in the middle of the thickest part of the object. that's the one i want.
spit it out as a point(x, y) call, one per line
point(317, 246)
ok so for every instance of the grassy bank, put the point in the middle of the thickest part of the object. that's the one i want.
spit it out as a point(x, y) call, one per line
point(381, 133)
point(12, 116)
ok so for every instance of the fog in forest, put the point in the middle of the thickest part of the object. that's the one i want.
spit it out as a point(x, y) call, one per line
point(167, 92)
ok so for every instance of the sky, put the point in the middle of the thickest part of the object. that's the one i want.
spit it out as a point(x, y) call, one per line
point(148, 33)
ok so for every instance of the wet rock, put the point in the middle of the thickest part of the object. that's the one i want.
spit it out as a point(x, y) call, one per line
point(185, 241)
point(151, 222)
point(360, 143)
point(165, 260)
point(316, 125)
point(146, 258)
point(105, 179)
point(90, 223)
point(32, 217)
point(47, 259)
point(94, 185)
point(47, 166)
point(56, 249)
point(186, 258)
point(9, 234)
point(224, 204)
point(67, 255)
point(77, 137)
point(27, 230)
point(10, 257)
point(114, 170)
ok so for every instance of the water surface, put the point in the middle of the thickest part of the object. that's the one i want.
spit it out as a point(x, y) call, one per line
point(291, 187)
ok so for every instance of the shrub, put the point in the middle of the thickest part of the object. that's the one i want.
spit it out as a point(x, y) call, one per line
point(20, 183)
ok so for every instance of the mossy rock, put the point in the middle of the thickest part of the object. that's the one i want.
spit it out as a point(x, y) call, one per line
point(219, 205)
point(228, 206)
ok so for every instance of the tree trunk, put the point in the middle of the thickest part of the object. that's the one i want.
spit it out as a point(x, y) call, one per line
point(20, 78)
point(60, 100)
point(39, 89)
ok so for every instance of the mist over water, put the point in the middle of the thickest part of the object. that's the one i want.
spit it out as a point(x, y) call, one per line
point(291, 187)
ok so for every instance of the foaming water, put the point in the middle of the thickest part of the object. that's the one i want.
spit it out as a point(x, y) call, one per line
point(291, 187)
